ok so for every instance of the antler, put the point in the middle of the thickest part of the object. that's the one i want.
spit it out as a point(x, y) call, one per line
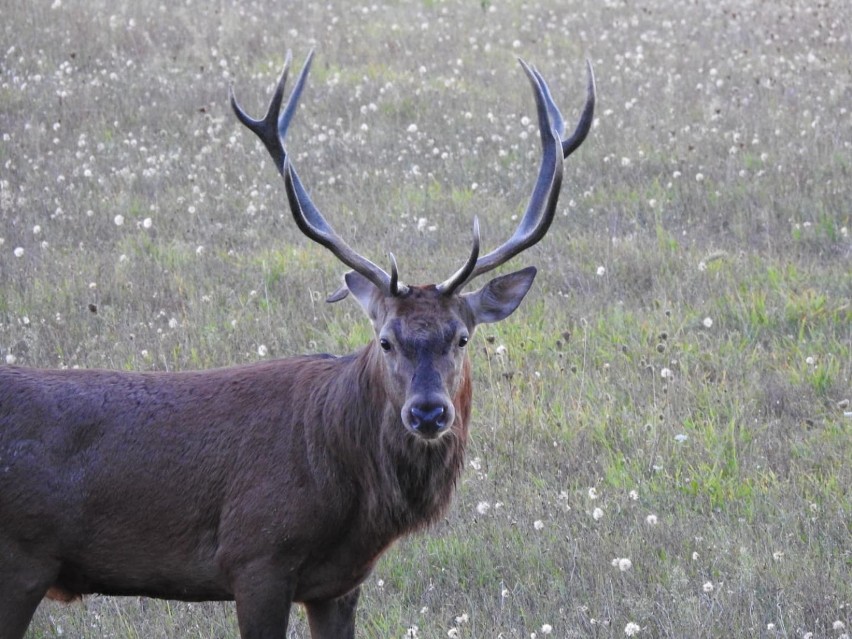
point(272, 129)
point(542, 206)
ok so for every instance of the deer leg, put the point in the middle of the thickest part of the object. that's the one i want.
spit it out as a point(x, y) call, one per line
point(23, 584)
point(263, 599)
point(333, 618)
point(16, 612)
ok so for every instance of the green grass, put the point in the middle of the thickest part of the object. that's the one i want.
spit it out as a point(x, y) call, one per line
point(686, 351)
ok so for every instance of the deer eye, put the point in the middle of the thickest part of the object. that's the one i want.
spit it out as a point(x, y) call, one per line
point(385, 344)
point(463, 340)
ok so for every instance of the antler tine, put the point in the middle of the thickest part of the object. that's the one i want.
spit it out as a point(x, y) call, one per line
point(267, 128)
point(461, 276)
point(272, 130)
point(542, 205)
point(586, 118)
point(394, 278)
point(569, 145)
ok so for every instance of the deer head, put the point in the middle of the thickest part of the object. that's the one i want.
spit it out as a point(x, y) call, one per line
point(421, 331)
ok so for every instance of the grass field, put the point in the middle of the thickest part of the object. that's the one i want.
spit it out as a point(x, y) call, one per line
point(662, 437)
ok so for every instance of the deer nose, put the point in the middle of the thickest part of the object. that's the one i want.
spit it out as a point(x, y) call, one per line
point(428, 419)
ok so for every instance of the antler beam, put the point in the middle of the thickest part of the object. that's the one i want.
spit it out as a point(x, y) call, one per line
point(542, 205)
point(272, 129)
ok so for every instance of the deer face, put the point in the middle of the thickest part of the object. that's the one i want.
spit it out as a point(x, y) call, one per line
point(423, 335)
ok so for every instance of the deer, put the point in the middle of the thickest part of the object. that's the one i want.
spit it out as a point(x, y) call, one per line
point(268, 483)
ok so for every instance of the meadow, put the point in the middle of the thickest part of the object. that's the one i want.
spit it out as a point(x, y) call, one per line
point(662, 433)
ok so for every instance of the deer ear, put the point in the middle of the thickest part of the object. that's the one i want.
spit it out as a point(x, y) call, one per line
point(500, 297)
point(362, 289)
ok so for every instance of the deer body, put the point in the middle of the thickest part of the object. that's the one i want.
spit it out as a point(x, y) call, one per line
point(168, 501)
point(267, 483)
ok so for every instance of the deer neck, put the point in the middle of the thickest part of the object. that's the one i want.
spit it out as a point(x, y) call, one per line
point(404, 482)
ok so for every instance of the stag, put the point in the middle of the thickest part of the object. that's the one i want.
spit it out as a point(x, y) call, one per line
point(271, 483)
